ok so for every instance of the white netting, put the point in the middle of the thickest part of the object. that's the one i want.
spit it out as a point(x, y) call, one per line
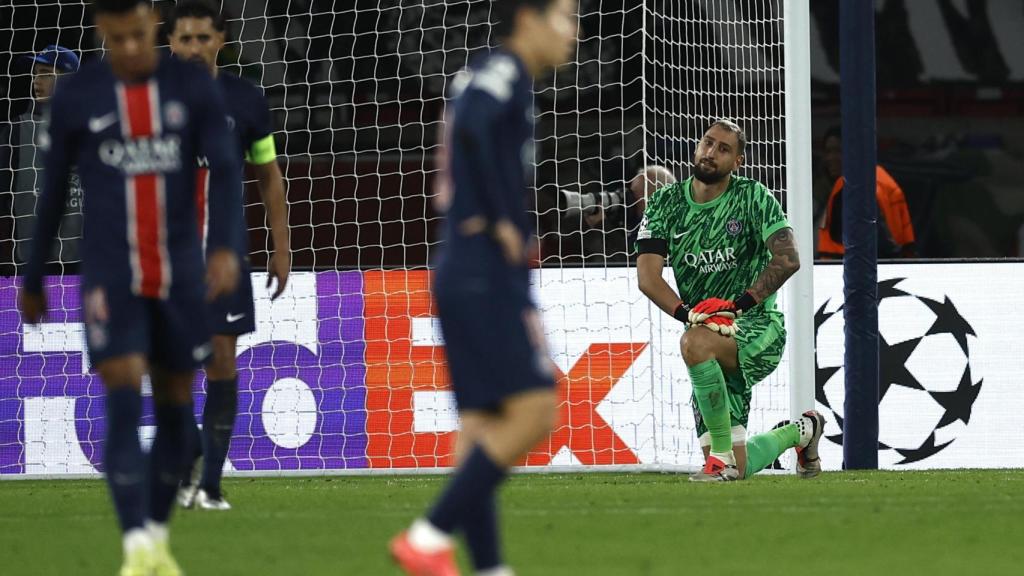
point(345, 370)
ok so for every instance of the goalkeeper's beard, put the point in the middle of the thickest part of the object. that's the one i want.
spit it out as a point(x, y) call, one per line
point(708, 175)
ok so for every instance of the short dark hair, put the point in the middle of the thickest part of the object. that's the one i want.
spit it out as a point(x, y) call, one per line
point(730, 126)
point(117, 6)
point(195, 9)
point(504, 14)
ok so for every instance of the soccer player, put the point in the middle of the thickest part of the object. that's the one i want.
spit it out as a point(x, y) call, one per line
point(731, 249)
point(197, 30)
point(133, 124)
point(500, 370)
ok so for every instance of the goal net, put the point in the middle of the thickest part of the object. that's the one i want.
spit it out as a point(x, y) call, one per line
point(346, 372)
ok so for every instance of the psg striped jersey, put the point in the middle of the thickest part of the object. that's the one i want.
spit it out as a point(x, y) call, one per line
point(250, 124)
point(134, 146)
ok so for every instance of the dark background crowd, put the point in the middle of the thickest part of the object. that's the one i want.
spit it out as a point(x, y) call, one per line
point(357, 89)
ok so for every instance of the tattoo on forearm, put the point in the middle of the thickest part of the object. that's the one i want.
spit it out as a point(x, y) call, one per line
point(785, 262)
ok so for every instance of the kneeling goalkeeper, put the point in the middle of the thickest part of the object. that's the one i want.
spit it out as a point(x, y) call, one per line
point(731, 249)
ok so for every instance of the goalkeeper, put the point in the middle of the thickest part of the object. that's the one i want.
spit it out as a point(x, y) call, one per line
point(731, 249)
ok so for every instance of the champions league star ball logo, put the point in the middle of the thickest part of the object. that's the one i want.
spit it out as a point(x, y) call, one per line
point(926, 386)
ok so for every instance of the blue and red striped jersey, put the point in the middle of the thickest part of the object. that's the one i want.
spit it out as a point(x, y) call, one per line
point(134, 147)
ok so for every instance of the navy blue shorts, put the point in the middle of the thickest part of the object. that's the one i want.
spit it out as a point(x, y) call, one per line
point(495, 348)
point(235, 313)
point(173, 333)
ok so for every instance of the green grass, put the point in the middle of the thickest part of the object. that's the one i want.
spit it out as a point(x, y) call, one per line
point(933, 523)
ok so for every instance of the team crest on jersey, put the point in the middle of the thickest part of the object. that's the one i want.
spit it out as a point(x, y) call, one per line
point(175, 115)
point(733, 227)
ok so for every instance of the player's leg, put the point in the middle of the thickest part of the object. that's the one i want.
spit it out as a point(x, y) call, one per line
point(709, 356)
point(522, 391)
point(761, 343)
point(218, 419)
point(480, 528)
point(739, 448)
point(123, 457)
point(169, 456)
point(524, 420)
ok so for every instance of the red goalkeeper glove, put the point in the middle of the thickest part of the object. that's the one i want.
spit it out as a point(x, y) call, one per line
point(716, 307)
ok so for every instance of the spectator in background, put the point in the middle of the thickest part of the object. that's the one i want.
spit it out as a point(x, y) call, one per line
point(895, 230)
point(21, 162)
point(601, 227)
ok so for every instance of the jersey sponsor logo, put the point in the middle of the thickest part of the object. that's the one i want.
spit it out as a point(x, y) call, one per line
point(98, 124)
point(733, 227)
point(143, 155)
point(175, 115)
point(708, 261)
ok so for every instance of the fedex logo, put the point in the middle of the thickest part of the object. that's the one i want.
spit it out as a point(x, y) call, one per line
point(411, 416)
point(345, 370)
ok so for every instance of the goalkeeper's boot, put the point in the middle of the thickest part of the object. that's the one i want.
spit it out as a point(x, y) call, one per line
point(207, 500)
point(138, 555)
point(715, 470)
point(416, 562)
point(811, 424)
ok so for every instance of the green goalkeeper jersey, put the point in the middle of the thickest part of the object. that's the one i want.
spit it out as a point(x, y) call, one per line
point(716, 249)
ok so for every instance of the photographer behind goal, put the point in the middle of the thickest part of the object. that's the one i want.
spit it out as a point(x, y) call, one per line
point(602, 226)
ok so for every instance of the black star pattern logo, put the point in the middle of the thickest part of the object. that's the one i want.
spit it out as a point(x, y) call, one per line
point(924, 451)
point(958, 403)
point(892, 365)
point(949, 321)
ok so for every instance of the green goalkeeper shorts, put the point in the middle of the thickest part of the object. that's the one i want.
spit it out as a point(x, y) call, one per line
point(761, 340)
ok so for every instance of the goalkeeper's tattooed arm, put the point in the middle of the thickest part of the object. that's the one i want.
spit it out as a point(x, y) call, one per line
point(785, 262)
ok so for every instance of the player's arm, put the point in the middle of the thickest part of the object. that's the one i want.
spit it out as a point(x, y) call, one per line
point(474, 129)
point(652, 250)
point(218, 145)
point(649, 266)
point(55, 143)
point(784, 263)
point(262, 156)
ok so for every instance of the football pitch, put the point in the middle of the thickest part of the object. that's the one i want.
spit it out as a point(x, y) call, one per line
point(929, 523)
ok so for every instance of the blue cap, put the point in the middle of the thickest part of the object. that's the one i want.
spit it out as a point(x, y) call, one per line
point(61, 58)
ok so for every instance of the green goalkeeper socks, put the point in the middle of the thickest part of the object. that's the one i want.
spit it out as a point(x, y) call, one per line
point(712, 401)
point(763, 449)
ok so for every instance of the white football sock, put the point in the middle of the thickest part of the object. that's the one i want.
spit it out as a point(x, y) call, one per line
point(726, 457)
point(426, 537)
point(134, 539)
point(157, 531)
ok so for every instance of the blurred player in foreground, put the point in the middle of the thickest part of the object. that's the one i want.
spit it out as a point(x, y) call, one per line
point(134, 123)
point(196, 30)
point(501, 373)
point(731, 249)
